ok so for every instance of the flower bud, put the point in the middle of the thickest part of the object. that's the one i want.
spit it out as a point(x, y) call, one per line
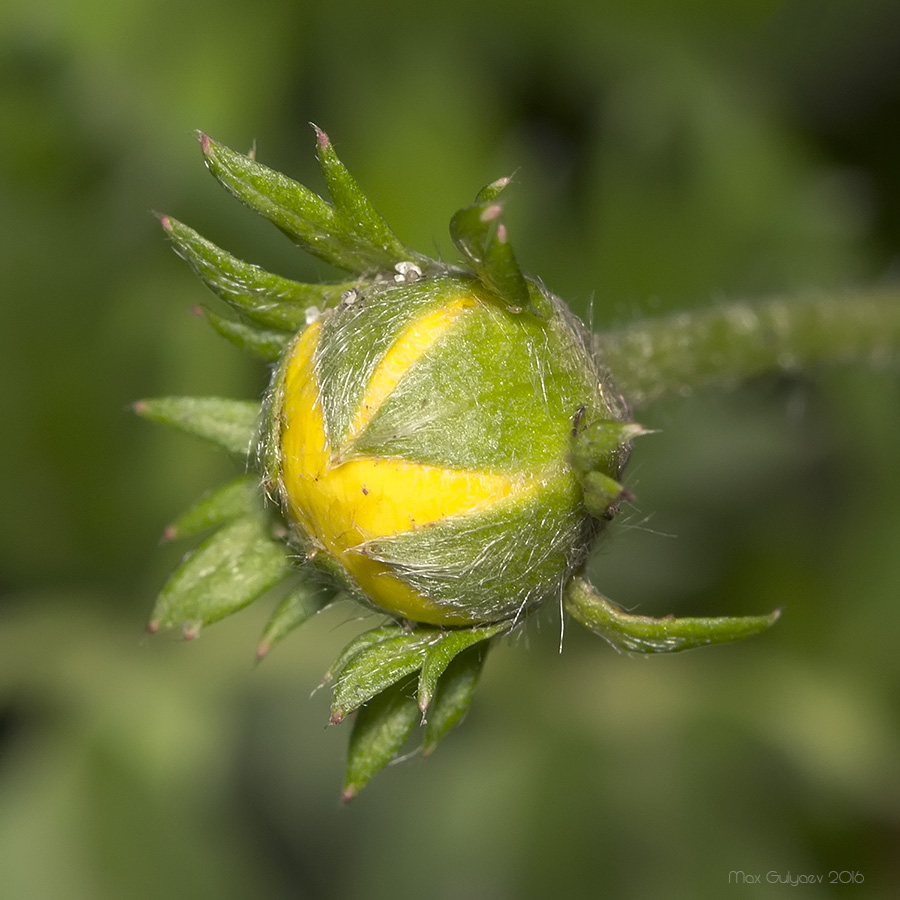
point(422, 447)
point(443, 443)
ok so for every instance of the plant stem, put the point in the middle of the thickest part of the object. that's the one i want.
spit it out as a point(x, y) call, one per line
point(643, 634)
point(676, 354)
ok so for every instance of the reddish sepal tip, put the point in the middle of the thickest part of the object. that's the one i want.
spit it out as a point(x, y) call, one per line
point(263, 650)
point(205, 142)
point(337, 717)
point(153, 627)
point(321, 137)
point(349, 793)
point(170, 533)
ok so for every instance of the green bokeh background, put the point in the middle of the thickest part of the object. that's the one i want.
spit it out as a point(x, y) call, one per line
point(667, 155)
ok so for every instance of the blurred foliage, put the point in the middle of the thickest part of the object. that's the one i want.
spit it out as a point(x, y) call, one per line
point(666, 155)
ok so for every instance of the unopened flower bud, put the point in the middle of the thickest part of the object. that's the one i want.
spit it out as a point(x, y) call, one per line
point(423, 448)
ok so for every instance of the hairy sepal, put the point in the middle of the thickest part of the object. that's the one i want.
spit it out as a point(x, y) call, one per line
point(228, 571)
point(382, 656)
point(481, 238)
point(436, 668)
point(454, 694)
point(370, 672)
point(493, 391)
point(493, 565)
point(307, 597)
point(240, 497)
point(230, 424)
point(328, 231)
point(379, 731)
point(266, 344)
point(262, 298)
point(362, 643)
point(377, 680)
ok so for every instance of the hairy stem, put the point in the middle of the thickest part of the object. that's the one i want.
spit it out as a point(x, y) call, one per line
point(643, 634)
point(675, 354)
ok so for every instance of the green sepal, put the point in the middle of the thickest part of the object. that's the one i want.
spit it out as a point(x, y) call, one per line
point(454, 694)
point(227, 572)
point(486, 347)
point(601, 494)
point(377, 667)
point(354, 208)
point(231, 424)
point(263, 298)
point(442, 654)
point(236, 498)
point(320, 228)
point(490, 192)
point(643, 634)
point(361, 643)
point(482, 240)
point(355, 339)
point(268, 451)
point(380, 730)
point(535, 543)
point(599, 442)
point(266, 344)
point(301, 603)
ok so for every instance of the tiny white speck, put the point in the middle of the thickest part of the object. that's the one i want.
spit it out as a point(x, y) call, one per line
point(348, 298)
point(407, 272)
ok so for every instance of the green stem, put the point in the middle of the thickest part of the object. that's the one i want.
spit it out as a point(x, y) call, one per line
point(644, 634)
point(675, 354)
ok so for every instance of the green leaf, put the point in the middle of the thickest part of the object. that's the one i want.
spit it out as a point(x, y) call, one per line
point(643, 634)
point(377, 667)
point(225, 573)
point(229, 423)
point(236, 498)
point(454, 694)
point(380, 730)
point(306, 599)
point(439, 657)
point(266, 299)
point(304, 217)
point(268, 345)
